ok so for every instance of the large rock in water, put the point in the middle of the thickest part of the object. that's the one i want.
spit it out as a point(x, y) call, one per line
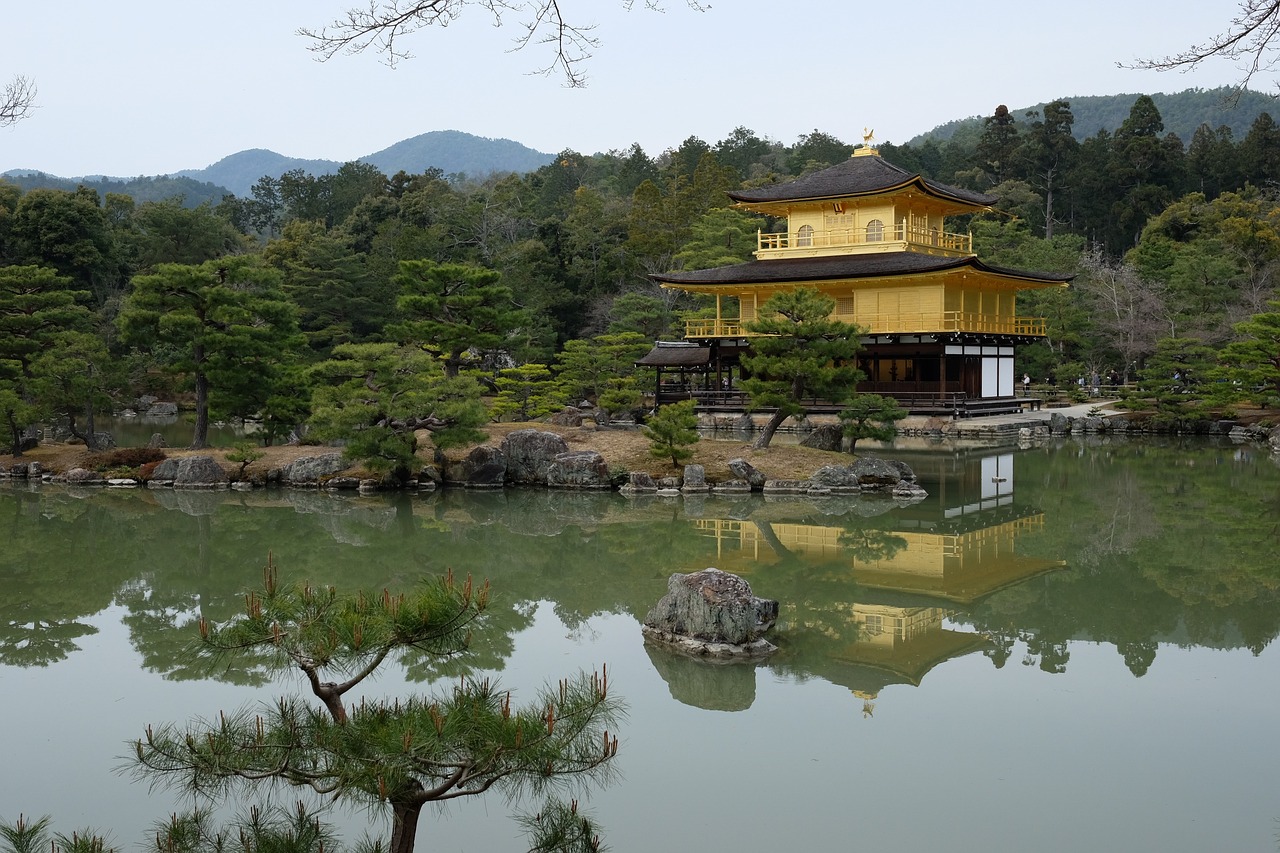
point(579, 469)
point(199, 472)
point(881, 474)
point(711, 614)
point(825, 437)
point(530, 454)
point(310, 470)
point(743, 470)
point(485, 467)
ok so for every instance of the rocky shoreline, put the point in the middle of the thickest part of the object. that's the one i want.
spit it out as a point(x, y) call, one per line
point(524, 458)
point(532, 457)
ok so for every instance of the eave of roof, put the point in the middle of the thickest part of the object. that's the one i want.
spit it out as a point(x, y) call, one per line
point(668, 355)
point(880, 265)
point(857, 176)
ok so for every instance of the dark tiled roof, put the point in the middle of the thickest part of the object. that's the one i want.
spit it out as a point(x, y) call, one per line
point(676, 355)
point(865, 175)
point(842, 266)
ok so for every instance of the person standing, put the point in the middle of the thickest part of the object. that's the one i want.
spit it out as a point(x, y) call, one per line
point(1026, 385)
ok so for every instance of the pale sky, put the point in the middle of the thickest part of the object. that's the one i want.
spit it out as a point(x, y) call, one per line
point(148, 87)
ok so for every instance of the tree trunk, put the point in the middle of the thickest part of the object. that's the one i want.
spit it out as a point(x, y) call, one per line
point(200, 439)
point(87, 437)
point(1048, 207)
point(770, 427)
point(90, 429)
point(404, 826)
point(16, 449)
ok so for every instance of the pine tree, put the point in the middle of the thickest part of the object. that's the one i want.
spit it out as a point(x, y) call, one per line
point(800, 353)
point(400, 753)
point(672, 430)
point(871, 416)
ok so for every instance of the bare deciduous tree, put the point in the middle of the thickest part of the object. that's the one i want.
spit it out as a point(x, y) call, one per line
point(1250, 38)
point(381, 26)
point(1130, 311)
point(17, 100)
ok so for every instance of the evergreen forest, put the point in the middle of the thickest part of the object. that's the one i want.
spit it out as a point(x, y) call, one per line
point(380, 304)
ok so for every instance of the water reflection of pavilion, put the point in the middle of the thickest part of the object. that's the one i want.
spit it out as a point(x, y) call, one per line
point(912, 569)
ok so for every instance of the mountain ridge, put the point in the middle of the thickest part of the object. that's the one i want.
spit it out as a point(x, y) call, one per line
point(451, 151)
point(1181, 112)
point(458, 152)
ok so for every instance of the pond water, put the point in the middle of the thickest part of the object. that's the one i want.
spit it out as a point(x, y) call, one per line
point(1063, 648)
point(177, 430)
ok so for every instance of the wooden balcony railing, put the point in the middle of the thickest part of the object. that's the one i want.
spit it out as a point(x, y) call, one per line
point(930, 240)
point(889, 323)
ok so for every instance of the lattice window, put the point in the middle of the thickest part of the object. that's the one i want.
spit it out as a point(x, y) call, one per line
point(804, 237)
point(875, 231)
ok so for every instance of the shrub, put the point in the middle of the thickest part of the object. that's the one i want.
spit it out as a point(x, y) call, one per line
point(671, 430)
point(126, 457)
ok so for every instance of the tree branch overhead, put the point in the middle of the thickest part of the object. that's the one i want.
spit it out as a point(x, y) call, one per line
point(382, 25)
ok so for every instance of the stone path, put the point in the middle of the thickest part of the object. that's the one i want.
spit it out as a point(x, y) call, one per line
point(1003, 425)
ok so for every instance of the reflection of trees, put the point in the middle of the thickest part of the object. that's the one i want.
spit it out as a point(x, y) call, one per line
point(867, 544)
point(1165, 543)
point(57, 570)
point(1165, 539)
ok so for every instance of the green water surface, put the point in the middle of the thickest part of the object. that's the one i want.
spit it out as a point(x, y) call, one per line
point(1063, 648)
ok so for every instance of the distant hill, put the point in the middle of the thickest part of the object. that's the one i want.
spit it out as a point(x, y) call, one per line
point(240, 171)
point(1182, 113)
point(193, 192)
point(451, 151)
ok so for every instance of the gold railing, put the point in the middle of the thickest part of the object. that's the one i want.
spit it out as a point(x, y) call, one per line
point(890, 323)
point(842, 238)
point(722, 328)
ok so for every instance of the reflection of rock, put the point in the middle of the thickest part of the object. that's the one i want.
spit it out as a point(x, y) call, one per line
point(711, 614)
point(194, 502)
point(870, 507)
point(548, 513)
point(715, 688)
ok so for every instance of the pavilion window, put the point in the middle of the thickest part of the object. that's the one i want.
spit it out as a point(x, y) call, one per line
point(875, 231)
point(804, 237)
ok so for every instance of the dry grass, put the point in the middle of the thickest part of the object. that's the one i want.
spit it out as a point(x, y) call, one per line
point(626, 450)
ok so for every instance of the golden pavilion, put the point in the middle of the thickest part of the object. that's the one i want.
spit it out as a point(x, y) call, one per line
point(941, 325)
